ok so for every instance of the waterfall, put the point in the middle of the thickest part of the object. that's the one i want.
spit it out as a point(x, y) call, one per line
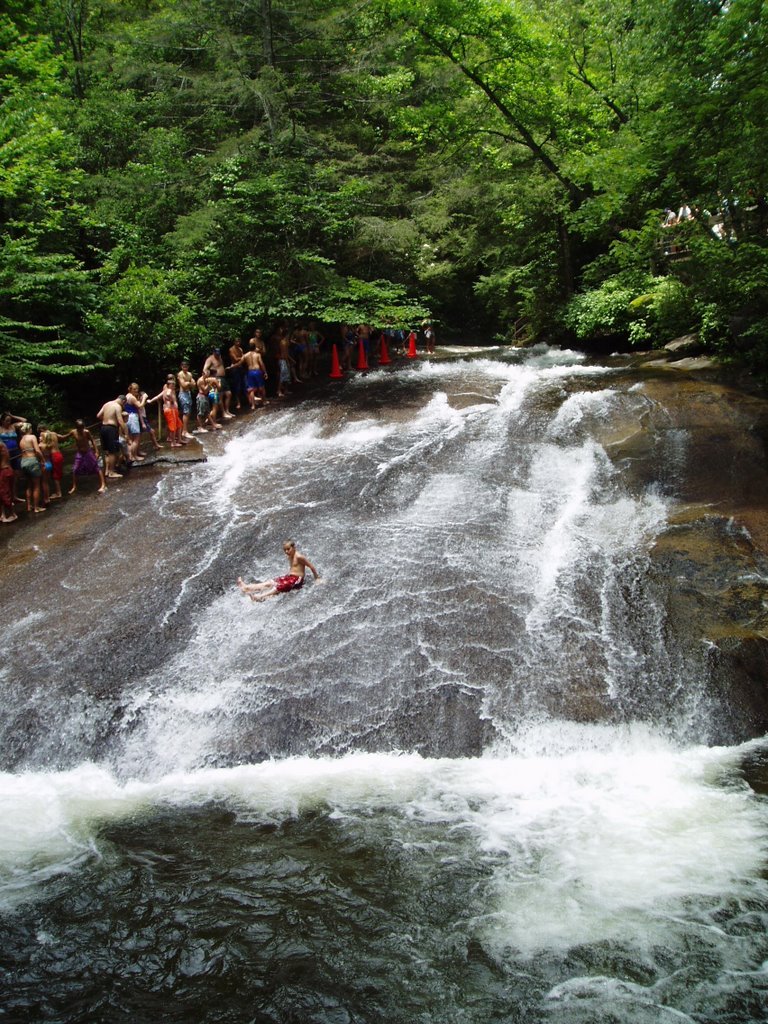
point(468, 776)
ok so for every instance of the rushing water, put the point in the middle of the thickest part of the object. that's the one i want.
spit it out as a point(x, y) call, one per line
point(467, 778)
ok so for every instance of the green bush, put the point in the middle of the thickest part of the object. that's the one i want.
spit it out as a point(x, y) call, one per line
point(644, 309)
point(603, 311)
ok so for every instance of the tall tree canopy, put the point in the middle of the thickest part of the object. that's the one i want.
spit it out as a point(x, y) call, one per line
point(174, 171)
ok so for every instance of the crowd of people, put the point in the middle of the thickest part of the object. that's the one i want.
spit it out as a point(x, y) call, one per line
point(727, 219)
point(232, 380)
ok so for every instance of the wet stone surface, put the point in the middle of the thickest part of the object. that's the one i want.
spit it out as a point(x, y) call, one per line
point(476, 576)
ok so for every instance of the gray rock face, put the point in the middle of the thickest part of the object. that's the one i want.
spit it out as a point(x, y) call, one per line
point(706, 441)
point(688, 343)
point(504, 542)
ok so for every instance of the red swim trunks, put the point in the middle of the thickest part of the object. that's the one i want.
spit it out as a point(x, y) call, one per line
point(6, 487)
point(290, 582)
point(57, 460)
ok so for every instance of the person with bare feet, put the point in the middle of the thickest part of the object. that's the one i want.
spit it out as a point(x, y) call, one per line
point(257, 342)
point(214, 367)
point(285, 363)
point(214, 400)
point(236, 373)
point(255, 375)
point(134, 406)
point(46, 480)
point(429, 337)
point(112, 420)
point(173, 421)
point(9, 435)
point(86, 457)
point(7, 486)
point(205, 420)
point(202, 406)
point(187, 393)
point(32, 463)
point(316, 339)
point(146, 426)
point(293, 580)
point(49, 442)
point(300, 351)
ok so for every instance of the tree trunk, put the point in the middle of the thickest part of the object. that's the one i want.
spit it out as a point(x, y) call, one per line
point(75, 12)
point(266, 33)
point(566, 257)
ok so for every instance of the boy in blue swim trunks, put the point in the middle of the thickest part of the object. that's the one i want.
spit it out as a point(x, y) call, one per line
point(255, 375)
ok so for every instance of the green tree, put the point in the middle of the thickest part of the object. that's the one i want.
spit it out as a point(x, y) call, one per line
point(44, 285)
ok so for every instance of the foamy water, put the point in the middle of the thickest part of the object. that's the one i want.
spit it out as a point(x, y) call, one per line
point(603, 834)
point(382, 783)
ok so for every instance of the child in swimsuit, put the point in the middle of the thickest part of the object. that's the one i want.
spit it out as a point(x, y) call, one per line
point(293, 580)
point(54, 460)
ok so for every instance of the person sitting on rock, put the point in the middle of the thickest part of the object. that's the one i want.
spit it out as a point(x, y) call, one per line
point(293, 580)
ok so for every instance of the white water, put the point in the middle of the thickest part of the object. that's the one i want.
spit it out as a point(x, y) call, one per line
point(596, 833)
point(464, 494)
point(477, 544)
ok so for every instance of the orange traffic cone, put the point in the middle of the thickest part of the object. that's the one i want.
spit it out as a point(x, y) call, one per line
point(362, 361)
point(412, 345)
point(335, 373)
point(384, 359)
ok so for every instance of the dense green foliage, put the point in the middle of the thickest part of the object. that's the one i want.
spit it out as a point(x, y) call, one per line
point(173, 172)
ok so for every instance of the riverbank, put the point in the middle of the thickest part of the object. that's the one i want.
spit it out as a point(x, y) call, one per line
point(196, 451)
point(86, 503)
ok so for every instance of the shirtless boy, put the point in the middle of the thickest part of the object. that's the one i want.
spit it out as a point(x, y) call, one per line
point(236, 373)
point(257, 342)
point(214, 367)
point(285, 362)
point(293, 580)
point(255, 375)
point(203, 406)
point(173, 421)
point(187, 392)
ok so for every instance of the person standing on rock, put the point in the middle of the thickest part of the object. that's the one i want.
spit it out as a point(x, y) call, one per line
point(7, 486)
point(134, 405)
point(32, 464)
point(187, 392)
point(203, 406)
point(170, 411)
point(285, 364)
point(237, 373)
point(255, 375)
point(214, 367)
point(49, 442)
point(112, 421)
point(146, 426)
point(429, 338)
point(86, 457)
